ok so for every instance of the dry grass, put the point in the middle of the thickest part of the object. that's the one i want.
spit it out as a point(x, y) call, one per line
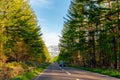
point(10, 70)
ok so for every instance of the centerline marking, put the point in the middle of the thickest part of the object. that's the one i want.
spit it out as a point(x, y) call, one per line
point(68, 72)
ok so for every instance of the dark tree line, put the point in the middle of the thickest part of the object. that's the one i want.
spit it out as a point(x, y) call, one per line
point(20, 36)
point(91, 34)
point(21, 44)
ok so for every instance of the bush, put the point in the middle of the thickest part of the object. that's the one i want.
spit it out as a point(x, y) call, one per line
point(10, 70)
point(31, 72)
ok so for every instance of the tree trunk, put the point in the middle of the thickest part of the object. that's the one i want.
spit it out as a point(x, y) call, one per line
point(115, 52)
point(118, 61)
point(1, 46)
point(92, 51)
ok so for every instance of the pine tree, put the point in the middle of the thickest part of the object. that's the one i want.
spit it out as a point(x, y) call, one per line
point(92, 28)
point(20, 35)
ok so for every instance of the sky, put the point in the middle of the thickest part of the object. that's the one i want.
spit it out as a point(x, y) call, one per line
point(50, 15)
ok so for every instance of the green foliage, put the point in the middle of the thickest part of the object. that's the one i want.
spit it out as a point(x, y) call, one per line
point(91, 34)
point(31, 73)
point(20, 35)
point(11, 70)
point(54, 59)
point(109, 72)
point(20, 38)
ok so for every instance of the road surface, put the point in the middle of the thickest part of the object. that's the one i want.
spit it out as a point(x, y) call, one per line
point(54, 72)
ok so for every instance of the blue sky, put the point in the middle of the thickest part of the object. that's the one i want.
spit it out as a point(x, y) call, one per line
point(50, 15)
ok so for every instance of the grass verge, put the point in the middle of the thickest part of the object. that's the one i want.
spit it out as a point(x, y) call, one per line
point(109, 72)
point(31, 73)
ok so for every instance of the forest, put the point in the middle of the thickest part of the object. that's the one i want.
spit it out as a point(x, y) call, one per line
point(91, 34)
point(21, 44)
point(90, 37)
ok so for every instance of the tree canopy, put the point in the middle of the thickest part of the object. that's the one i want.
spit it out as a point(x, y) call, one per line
point(20, 35)
point(91, 34)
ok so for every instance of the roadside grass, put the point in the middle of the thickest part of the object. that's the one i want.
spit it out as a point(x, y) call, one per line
point(109, 72)
point(31, 73)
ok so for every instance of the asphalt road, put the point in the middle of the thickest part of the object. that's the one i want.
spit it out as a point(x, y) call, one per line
point(54, 72)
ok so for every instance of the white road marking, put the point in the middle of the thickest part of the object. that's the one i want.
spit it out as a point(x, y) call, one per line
point(37, 77)
point(60, 68)
point(68, 72)
point(41, 73)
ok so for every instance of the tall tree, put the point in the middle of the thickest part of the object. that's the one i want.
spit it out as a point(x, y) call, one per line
point(20, 35)
point(92, 26)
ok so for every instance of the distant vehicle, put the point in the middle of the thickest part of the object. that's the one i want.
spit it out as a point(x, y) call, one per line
point(62, 64)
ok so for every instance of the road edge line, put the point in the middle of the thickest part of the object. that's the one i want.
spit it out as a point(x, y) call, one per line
point(41, 73)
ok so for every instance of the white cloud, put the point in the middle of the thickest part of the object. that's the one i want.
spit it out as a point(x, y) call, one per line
point(51, 38)
point(40, 3)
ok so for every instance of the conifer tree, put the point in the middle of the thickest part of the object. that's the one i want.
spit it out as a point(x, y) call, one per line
point(92, 26)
